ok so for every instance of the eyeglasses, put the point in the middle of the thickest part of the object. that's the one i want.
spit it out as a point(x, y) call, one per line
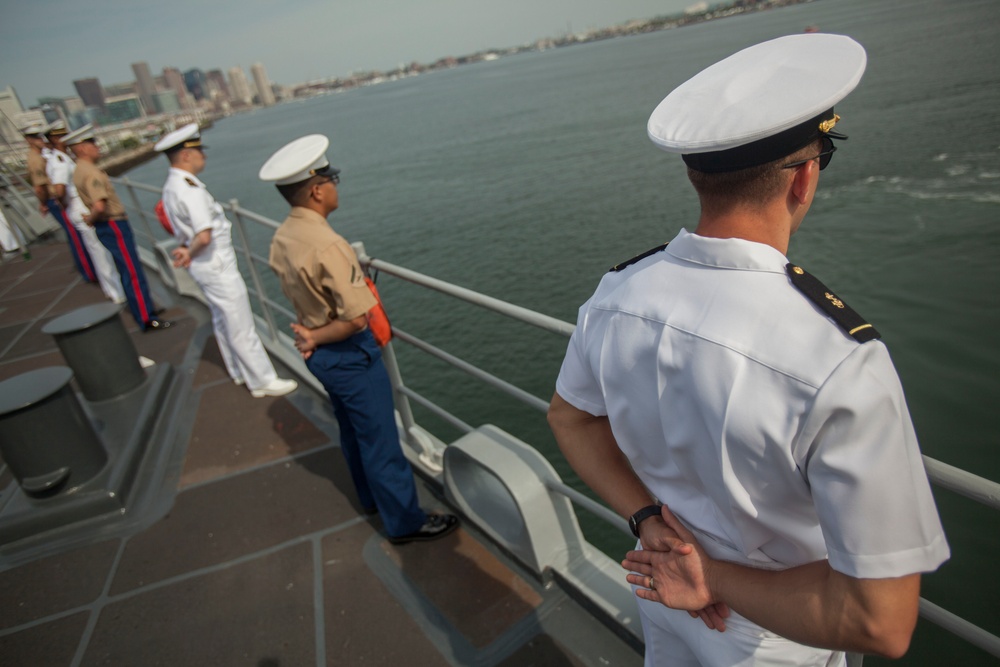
point(824, 157)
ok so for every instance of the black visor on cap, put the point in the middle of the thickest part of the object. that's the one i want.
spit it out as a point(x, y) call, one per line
point(324, 171)
point(763, 150)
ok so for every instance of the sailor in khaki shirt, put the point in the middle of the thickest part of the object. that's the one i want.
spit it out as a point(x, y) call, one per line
point(107, 217)
point(321, 276)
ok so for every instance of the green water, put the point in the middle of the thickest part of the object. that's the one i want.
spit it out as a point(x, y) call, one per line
point(527, 177)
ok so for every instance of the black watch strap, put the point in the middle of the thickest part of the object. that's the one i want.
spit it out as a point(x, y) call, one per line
point(642, 515)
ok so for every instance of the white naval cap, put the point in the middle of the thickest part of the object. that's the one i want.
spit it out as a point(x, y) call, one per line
point(79, 135)
point(188, 136)
point(56, 129)
point(298, 160)
point(760, 104)
point(33, 130)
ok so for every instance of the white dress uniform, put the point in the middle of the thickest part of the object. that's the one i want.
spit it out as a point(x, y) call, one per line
point(192, 209)
point(777, 438)
point(60, 168)
point(9, 241)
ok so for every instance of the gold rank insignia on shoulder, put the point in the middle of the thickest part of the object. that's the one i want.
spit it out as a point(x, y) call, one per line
point(190, 182)
point(637, 258)
point(846, 318)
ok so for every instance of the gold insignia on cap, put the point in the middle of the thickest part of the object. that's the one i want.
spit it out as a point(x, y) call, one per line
point(193, 143)
point(828, 125)
point(834, 300)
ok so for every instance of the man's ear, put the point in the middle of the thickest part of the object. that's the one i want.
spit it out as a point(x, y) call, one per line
point(802, 181)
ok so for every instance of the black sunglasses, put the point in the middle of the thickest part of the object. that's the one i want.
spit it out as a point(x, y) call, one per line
point(824, 157)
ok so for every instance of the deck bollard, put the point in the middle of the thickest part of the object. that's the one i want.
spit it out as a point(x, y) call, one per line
point(98, 349)
point(45, 436)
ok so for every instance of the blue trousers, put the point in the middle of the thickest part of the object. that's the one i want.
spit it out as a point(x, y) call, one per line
point(79, 251)
point(116, 236)
point(353, 374)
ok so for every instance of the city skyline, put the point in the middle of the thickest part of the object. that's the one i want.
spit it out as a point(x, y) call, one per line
point(331, 40)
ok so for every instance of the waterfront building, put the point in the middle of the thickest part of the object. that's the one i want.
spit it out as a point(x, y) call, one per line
point(197, 84)
point(264, 92)
point(120, 109)
point(175, 82)
point(90, 91)
point(240, 87)
point(10, 106)
point(165, 101)
point(52, 109)
point(145, 85)
point(217, 80)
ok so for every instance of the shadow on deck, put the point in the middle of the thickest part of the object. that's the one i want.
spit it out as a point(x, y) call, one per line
point(255, 551)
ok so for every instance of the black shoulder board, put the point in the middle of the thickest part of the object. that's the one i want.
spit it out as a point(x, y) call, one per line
point(845, 316)
point(637, 258)
point(190, 182)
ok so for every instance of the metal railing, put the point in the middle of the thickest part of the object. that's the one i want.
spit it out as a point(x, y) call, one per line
point(978, 489)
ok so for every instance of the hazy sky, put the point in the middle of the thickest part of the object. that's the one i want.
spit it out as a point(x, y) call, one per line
point(46, 44)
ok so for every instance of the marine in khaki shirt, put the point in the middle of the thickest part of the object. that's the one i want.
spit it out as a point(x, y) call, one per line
point(321, 276)
point(93, 186)
point(318, 270)
point(36, 164)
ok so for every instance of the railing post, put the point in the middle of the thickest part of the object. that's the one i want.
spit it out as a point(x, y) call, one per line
point(427, 453)
point(258, 286)
point(138, 208)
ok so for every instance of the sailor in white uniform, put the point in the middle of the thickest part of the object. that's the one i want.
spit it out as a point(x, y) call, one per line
point(717, 378)
point(206, 250)
point(60, 167)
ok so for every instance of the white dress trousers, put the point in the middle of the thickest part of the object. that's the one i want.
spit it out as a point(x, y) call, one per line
point(191, 210)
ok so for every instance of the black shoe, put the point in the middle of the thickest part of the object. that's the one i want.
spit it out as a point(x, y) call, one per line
point(157, 325)
point(437, 525)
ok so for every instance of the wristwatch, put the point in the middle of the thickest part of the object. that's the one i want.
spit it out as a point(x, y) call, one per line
point(640, 516)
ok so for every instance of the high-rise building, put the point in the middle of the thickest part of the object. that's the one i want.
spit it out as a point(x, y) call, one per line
point(175, 82)
point(240, 87)
point(90, 91)
point(264, 91)
point(144, 85)
point(216, 78)
point(10, 107)
point(197, 83)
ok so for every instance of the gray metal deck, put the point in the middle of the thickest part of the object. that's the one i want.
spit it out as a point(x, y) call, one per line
point(252, 550)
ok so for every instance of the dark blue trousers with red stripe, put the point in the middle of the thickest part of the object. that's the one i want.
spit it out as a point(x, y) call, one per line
point(79, 251)
point(116, 236)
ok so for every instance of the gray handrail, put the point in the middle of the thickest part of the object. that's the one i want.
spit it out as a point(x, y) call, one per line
point(960, 481)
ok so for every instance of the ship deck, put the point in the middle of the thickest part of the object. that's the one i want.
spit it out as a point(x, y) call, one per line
point(253, 550)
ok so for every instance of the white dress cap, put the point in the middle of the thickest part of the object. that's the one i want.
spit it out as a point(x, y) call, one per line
point(188, 135)
point(58, 128)
point(297, 161)
point(80, 135)
point(764, 93)
point(34, 129)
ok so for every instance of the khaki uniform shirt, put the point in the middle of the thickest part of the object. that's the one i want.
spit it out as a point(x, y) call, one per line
point(93, 185)
point(36, 171)
point(318, 270)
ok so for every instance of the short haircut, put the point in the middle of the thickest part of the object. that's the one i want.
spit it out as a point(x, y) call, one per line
point(747, 187)
point(296, 193)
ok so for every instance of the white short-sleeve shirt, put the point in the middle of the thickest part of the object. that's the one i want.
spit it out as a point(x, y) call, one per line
point(60, 168)
point(775, 436)
point(192, 209)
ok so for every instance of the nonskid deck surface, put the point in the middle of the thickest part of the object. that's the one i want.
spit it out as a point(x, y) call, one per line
point(263, 557)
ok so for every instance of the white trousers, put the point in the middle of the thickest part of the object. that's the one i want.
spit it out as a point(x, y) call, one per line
point(675, 639)
point(219, 278)
point(9, 235)
point(104, 265)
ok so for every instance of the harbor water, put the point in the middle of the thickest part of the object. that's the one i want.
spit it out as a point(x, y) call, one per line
point(527, 177)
